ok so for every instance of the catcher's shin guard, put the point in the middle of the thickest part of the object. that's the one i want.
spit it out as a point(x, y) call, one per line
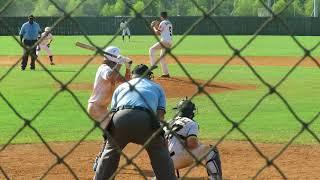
point(214, 165)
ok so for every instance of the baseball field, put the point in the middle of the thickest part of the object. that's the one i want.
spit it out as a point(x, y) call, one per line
point(239, 92)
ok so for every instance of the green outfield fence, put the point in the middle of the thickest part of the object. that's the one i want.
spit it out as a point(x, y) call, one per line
point(302, 26)
point(205, 24)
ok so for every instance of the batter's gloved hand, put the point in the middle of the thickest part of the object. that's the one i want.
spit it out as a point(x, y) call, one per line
point(123, 60)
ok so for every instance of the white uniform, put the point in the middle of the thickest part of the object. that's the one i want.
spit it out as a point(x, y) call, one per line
point(166, 34)
point(166, 31)
point(184, 128)
point(102, 93)
point(103, 86)
point(125, 28)
point(47, 38)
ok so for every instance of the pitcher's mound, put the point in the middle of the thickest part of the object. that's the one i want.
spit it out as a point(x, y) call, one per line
point(182, 86)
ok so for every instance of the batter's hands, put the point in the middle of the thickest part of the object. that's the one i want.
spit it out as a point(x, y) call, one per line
point(128, 64)
point(123, 60)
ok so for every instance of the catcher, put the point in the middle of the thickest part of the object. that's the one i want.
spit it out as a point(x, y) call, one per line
point(45, 44)
point(164, 29)
point(186, 129)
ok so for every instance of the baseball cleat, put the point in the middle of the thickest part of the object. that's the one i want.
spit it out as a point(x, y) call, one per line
point(165, 76)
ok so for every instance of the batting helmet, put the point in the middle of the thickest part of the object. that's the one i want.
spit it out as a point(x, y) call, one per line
point(186, 108)
point(47, 29)
point(112, 50)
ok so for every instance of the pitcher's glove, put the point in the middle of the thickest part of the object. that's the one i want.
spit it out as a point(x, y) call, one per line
point(48, 45)
point(155, 24)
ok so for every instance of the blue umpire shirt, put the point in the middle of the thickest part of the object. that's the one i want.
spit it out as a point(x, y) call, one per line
point(30, 31)
point(150, 96)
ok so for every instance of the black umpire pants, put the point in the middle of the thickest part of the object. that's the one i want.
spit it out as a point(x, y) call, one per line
point(135, 126)
point(26, 53)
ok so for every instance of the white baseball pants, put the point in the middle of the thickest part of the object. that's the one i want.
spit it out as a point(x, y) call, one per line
point(98, 113)
point(45, 48)
point(126, 30)
point(162, 59)
point(183, 159)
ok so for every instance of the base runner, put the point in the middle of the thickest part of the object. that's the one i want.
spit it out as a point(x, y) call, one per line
point(186, 129)
point(45, 44)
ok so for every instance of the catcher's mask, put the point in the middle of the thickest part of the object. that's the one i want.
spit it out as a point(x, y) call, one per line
point(142, 70)
point(186, 108)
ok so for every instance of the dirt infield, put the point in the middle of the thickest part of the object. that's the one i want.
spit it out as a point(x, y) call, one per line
point(240, 161)
point(253, 60)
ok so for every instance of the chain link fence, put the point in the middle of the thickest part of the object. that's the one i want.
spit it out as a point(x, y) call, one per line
point(237, 53)
point(231, 25)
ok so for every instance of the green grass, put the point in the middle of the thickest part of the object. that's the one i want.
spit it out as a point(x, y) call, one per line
point(64, 120)
point(191, 45)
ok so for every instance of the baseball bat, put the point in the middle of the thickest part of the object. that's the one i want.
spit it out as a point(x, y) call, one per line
point(89, 47)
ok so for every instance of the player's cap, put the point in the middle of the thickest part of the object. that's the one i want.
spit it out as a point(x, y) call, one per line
point(47, 29)
point(140, 69)
point(31, 16)
point(112, 50)
point(164, 14)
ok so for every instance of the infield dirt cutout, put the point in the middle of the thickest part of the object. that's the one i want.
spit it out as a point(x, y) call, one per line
point(239, 159)
point(253, 60)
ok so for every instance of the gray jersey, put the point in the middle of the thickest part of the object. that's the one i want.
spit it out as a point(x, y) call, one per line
point(183, 127)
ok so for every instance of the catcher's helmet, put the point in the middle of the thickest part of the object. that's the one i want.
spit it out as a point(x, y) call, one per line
point(186, 108)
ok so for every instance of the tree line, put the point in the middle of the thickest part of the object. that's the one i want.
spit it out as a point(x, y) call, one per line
point(154, 7)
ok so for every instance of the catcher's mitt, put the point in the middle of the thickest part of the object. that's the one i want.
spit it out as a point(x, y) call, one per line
point(155, 24)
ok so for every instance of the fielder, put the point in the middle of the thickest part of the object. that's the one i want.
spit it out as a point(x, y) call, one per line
point(187, 129)
point(165, 31)
point(106, 78)
point(45, 44)
point(125, 29)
